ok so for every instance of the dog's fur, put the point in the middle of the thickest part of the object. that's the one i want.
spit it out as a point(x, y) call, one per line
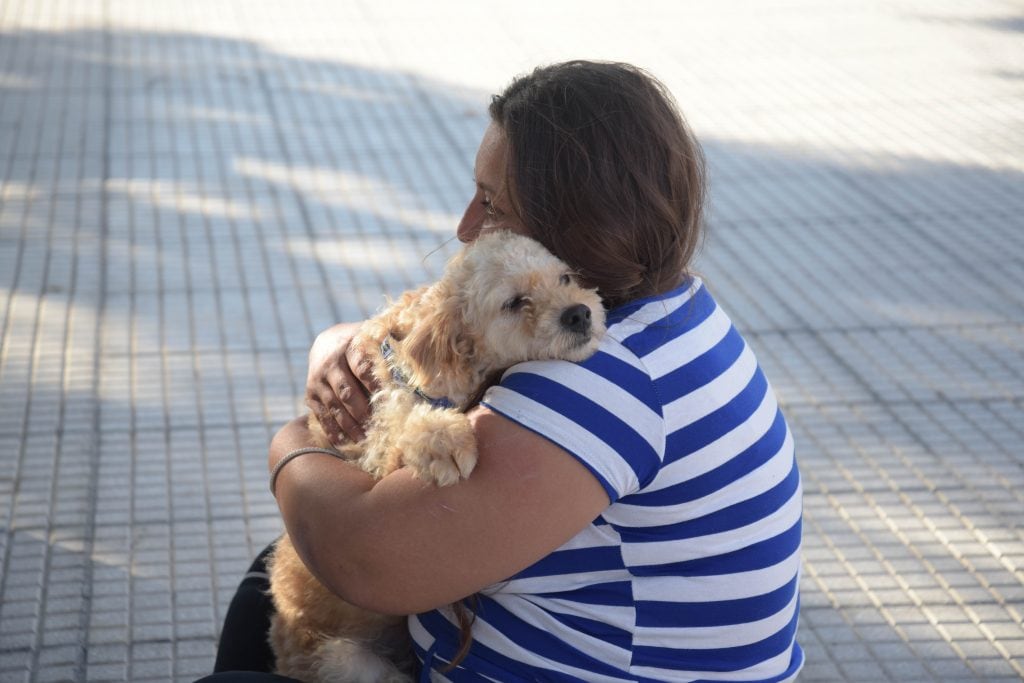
point(502, 300)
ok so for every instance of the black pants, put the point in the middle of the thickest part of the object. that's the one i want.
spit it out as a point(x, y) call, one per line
point(244, 654)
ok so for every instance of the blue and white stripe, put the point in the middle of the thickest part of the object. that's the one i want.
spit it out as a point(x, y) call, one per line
point(692, 572)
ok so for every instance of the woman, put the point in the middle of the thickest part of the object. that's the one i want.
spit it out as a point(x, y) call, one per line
point(633, 517)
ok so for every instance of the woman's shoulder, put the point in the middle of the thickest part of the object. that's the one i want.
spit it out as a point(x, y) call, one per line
point(645, 340)
point(644, 325)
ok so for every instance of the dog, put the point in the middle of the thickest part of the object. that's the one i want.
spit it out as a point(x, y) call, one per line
point(502, 300)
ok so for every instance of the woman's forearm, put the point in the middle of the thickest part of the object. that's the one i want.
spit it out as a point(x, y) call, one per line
point(403, 545)
point(352, 531)
point(318, 496)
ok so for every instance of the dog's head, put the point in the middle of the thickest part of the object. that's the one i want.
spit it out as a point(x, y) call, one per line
point(503, 300)
point(526, 304)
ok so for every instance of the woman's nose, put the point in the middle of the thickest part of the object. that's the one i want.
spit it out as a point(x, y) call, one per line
point(472, 221)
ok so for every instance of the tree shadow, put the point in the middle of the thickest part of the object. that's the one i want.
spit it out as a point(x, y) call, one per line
point(282, 194)
point(258, 173)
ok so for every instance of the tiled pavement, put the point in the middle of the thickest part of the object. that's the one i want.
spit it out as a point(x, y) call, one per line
point(191, 189)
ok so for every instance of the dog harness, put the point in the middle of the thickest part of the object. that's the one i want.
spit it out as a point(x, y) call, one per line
point(403, 379)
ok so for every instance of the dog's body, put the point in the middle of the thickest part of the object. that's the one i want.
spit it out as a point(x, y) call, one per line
point(503, 300)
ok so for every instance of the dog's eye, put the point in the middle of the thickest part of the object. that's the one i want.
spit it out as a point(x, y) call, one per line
point(565, 279)
point(515, 303)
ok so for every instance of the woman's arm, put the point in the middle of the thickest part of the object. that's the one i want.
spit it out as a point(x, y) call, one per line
point(403, 546)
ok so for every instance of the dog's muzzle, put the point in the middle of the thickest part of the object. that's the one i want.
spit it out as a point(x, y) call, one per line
point(576, 319)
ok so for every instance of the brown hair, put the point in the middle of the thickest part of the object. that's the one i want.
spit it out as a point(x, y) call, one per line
point(605, 173)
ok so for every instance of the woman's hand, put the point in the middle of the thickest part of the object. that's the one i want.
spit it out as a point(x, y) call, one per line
point(339, 383)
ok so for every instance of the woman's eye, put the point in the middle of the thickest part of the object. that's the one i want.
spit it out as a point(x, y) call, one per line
point(515, 303)
point(565, 279)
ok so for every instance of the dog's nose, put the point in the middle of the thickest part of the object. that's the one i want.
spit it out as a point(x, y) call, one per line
point(576, 319)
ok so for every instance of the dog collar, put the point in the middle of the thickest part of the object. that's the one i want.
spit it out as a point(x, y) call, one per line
point(401, 378)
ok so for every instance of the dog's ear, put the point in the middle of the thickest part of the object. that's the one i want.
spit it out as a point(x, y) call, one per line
point(438, 349)
point(399, 316)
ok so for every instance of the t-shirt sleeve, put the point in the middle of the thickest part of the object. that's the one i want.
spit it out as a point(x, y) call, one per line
point(603, 411)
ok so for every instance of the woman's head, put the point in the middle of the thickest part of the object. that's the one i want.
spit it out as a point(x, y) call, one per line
point(595, 161)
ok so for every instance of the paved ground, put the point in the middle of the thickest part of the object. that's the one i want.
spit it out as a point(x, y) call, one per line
point(191, 189)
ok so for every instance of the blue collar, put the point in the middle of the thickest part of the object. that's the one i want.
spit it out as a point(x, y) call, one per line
point(401, 378)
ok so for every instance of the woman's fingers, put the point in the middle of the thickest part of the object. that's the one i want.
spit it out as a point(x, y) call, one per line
point(335, 418)
point(324, 417)
point(335, 389)
point(360, 362)
point(348, 404)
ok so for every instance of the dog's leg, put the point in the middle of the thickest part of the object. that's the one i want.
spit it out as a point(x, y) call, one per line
point(318, 637)
point(294, 636)
point(341, 660)
point(438, 445)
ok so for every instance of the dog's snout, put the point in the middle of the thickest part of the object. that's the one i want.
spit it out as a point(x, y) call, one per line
point(576, 319)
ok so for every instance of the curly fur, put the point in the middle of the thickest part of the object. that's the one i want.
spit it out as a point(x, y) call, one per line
point(502, 300)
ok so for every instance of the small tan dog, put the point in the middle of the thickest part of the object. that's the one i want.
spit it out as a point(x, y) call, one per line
point(504, 299)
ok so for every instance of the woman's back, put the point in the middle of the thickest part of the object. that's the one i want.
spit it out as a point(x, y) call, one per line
point(692, 571)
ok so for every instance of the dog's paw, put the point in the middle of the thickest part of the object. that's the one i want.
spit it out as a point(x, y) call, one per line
point(446, 468)
point(439, 446)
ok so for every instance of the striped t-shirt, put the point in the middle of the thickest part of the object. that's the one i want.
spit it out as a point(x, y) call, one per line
point(692, 572)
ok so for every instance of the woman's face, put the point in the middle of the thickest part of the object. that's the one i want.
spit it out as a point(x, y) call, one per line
point(490, 208)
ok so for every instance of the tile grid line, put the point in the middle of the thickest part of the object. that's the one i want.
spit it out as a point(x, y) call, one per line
point(203, 455)
point(259, 226)
point(58, 445)
point(5, 332)
point(263, 226)
point(234, 424)
point(363, 231)
point(1017, 401)
point(167, 229)
point(914, 227)
point(32, 370)
point(21, 116)
point(857, 486)
point(836, 606)
point(1016, 494)
point(89, 535)
point(282, 142)
point(964, 520)
point(405, 169)
point(878, 399)
point(133, 374)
